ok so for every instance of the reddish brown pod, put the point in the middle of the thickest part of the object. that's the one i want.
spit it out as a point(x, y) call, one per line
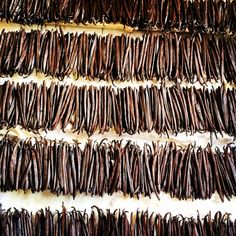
point(106, 168)
point(99, 222)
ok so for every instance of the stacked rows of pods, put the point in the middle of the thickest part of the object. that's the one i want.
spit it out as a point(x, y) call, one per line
point(117, 117)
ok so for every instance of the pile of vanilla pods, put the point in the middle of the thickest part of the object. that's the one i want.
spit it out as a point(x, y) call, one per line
point(166, 110)
point(167, 56)
point(100, 168)
point(108, 223)
point(187, 45)
point(197, 15)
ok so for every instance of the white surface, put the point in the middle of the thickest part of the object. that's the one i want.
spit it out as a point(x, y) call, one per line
point(34, 202)
point(182, 139)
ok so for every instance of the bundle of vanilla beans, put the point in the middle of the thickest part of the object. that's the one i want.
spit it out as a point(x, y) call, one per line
point(108, 167)
point(107, 223)
point(166, 56)
point(200, 15)
point(166, 110)
point(190, 41)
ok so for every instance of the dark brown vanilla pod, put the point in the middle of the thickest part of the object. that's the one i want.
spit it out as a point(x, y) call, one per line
point(165, 110)
point(210, 15)
point(109, 167)
point(99, 222)
point(166, 56)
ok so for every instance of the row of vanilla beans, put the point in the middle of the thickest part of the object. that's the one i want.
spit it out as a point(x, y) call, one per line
point(107, 223)
point(167, 56)
point(165, 110)
point(197, 15)
point(109, 167)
